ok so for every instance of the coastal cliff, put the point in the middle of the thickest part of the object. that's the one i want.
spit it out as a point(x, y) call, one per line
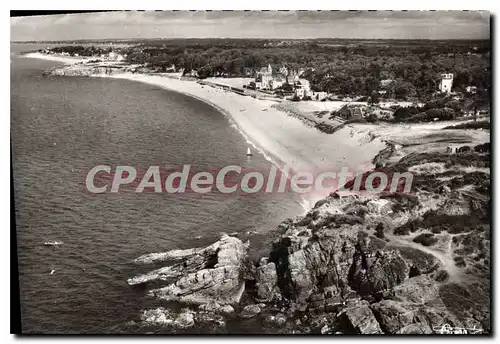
point(391, 263)
point(395, 263)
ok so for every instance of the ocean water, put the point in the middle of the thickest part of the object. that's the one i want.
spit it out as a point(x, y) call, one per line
point(63, 126)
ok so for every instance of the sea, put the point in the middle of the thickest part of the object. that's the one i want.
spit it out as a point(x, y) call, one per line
point(61, 127)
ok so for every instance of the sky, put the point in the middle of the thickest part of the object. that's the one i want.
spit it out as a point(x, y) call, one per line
point(255, 24)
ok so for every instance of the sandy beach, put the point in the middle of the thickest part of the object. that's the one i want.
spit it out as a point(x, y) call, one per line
point(56, 58)
point(284, 139)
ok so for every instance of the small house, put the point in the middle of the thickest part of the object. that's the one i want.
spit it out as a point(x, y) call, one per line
point(350, 112)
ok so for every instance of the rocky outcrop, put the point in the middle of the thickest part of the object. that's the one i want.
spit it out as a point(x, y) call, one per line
point(181, 321)
point(267, 282)
point(333, 262)
point(278, 320)
point(361, 319)
point(415, 307)
point(214, 307)
point(350, 265)
point(163, 316)
point(87, 69)
point(206, 275)
point(348, 257)
point(250, 311)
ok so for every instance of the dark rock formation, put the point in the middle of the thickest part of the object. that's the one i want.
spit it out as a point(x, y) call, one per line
point(463, 149)
point(250, 311)
point(323, 269)
point(210, 274)
point(277, 320)
point(326, 274)
point(267, 285)
point(483, 148)
point(360, 318)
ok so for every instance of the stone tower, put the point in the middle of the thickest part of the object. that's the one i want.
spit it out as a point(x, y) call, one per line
point(446, 83)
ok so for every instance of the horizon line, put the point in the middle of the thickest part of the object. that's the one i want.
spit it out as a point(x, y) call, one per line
point(254, 38)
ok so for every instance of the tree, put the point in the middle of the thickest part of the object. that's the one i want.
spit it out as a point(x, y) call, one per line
point(379, 231)
point(372, 118)
point(401, 114)
point(374, 98)
point(287, 87)
point(403, 90)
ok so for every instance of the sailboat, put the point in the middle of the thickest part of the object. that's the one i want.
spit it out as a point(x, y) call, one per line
point(249, 153)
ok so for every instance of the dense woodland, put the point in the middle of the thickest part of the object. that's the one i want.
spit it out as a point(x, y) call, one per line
point(347, 68)
point(342, 67)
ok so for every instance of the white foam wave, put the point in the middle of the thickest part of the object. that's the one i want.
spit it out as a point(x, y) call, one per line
point(159, 274)
point(163, 256)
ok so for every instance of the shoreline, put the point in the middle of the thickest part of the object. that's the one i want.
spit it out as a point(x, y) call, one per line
point(62, 59)
point(281, 138)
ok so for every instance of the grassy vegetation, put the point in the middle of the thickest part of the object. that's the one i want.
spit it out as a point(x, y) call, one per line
point(436, 222)
point(468, 302)
point(425, 262)
point(476, 178)
point(471, 125)
point(462, 159)
point(426, 239)
point(401, 201)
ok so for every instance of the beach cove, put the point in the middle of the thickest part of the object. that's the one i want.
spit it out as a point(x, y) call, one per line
point(300, 259)
point(285, 139)
point(281, 138)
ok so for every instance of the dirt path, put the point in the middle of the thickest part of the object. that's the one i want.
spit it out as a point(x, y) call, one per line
point(456, 274)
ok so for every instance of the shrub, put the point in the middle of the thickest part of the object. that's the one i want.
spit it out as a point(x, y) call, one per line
point(372, 118)
point(459, 261)
point(405, 229)
point(453, 224)
point(326, 128)
point(442, 275)
point(414, 271)
point(402, 114)
point(402, 230)
point(379, 231)
point(470, 125)
point(430, 115)
point(426, 239)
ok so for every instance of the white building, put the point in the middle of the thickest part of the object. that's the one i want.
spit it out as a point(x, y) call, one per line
point(121, 58)
point(303, 83)
point(263, 78)
point(446, 83)
point(471, 89)
point(303, 88)
point(276, 82)
point(319, 95)
point(300, 93)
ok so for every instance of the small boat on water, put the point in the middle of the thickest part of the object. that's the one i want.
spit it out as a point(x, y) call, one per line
point(249, 152)
point(53, 243)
